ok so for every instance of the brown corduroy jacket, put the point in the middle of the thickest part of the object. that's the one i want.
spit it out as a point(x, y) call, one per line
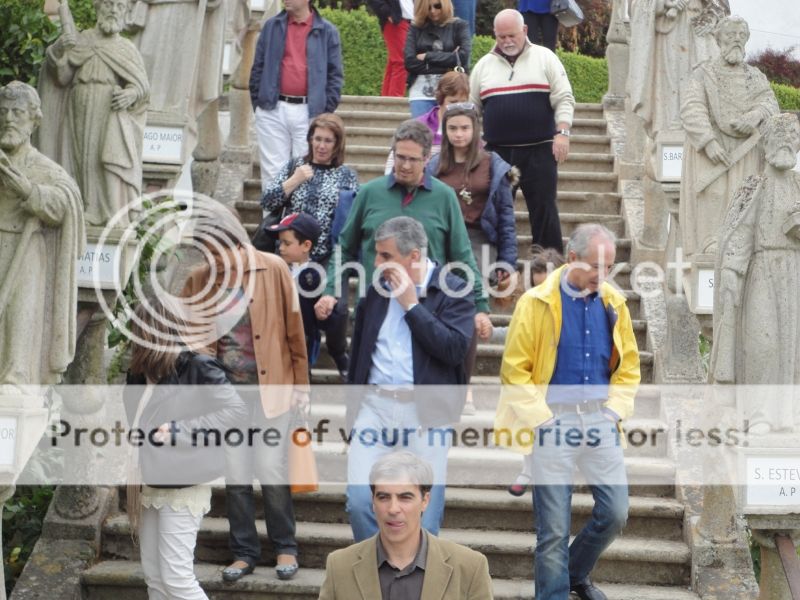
point(277, 326)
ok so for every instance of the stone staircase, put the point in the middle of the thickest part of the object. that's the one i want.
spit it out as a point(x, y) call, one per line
point(649, 561)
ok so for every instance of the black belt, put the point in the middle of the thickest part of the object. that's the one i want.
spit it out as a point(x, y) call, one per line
point(293, 99)
point(401, 395)
point(579, 408)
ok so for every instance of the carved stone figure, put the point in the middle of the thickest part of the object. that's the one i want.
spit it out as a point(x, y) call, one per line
point(669, 38)
point(757, 316)
point(191, 34)
point(99, 78)
point(41, 235)
point(725, 103)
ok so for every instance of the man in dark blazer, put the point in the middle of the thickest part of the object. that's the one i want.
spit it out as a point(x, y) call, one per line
point(411, 334)
point(403, 560)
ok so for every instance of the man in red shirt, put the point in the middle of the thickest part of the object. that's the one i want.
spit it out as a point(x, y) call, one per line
point(307, 81)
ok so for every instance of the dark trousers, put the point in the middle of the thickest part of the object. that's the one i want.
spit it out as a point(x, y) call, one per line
point(539, 183)
point(542, 29)
point(269, 465)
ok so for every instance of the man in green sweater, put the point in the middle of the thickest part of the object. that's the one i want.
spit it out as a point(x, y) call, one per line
point(407, 192)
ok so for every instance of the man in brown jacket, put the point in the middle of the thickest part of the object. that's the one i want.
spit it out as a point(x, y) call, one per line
point(255, 330)
point(403, 560)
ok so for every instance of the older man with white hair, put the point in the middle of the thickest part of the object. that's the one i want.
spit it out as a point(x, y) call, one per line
point(570, 371)
point(527, 107)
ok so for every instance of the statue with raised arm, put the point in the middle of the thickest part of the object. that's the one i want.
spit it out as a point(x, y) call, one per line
point(756, 316)
point(98, 78)
point(669, 38)
point(725, 104)
point(41, 236)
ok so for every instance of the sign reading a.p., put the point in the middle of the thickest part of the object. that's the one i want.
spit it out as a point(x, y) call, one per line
point(99, 264)
point(772, 481)
point(163, 144)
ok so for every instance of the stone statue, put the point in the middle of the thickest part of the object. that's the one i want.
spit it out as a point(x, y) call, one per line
point(41, 236)
point(98, 77)
point(725, 103)
point(669, 38)
point(191, 33)
point(757, 316)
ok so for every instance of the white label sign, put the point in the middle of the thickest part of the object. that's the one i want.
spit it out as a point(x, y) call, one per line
point(773, 480)
point(705, 289)
point(257, 5)
point(671, 162)
point(163, 144)
point(101, 263)
point(226, 59)
point(8, 441)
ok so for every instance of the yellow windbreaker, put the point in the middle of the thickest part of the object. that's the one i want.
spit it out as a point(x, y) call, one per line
point(529, 360)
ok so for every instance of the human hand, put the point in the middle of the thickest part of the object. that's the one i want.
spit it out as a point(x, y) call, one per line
point(716, 154)
point(324, 307)
point(746, 124)
point(122, 98)
point(301, 401)
point(303, 173)
point(13, 179)
point(403, 289)
point(483, 325)
point(421, 56)
point(161, 434)
point(560, 147)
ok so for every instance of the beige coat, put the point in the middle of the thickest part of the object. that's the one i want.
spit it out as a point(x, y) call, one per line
point(278, 338)
point(452, 572)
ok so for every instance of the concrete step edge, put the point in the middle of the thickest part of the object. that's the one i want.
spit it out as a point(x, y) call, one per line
point(642, 550)
point(128, 574)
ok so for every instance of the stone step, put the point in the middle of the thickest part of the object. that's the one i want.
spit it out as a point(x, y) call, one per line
point(393, 104)
point(660, 518)
point(372, 118)
point(381, 137)
point(588, 162)
point(579, 181)
point(510, 554)
point(570, 221)
point(646, 436)
point(590, 125)
point(603, 203)
point(123, 580)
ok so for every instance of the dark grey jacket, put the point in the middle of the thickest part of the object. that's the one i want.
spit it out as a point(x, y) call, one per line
point(439, 43)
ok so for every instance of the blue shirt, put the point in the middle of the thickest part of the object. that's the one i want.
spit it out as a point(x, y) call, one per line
point(582, 369)
point(540, 7)
point(392, 359)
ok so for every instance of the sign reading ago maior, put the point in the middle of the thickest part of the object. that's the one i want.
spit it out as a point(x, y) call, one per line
point(163, 144)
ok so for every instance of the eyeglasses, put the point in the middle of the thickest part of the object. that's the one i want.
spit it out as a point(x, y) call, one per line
point(436, 6)
point(414, 160)
point(461, 106)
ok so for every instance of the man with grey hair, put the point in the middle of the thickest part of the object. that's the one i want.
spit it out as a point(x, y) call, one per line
point(407, 191)
point(403, 560)
point(725, 104)
point(570, 371)
point(41, 238)
point(413, 329)
point(527, 105)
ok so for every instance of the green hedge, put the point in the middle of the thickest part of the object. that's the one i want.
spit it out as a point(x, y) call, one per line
point(788, 96)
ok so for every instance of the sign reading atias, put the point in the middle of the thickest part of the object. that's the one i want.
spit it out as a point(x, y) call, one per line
point(163, 144)
point(772, 481)
point(99, 264)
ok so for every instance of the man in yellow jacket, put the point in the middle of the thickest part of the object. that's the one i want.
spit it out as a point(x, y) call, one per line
point(570, 372)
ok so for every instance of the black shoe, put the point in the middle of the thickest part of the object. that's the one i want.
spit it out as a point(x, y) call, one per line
point(587, 591)
point(342, 363)
point(285, 572)
point(236, 573)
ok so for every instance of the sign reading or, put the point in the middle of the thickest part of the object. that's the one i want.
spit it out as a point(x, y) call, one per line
point(163, 144)
point(8, 441)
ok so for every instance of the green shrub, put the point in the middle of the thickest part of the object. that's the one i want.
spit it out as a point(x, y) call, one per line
point(26, 33)
point(481, 44)
point(589, 76)
point(363, 50)
point(23, 516)
point(788, 96)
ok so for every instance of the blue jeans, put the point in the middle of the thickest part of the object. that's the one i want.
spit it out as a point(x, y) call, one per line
point(465, 9)
point(420, 107)
point(590, 442)
point(385, 425)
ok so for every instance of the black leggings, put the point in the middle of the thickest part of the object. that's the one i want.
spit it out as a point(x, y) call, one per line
point(542, 29)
